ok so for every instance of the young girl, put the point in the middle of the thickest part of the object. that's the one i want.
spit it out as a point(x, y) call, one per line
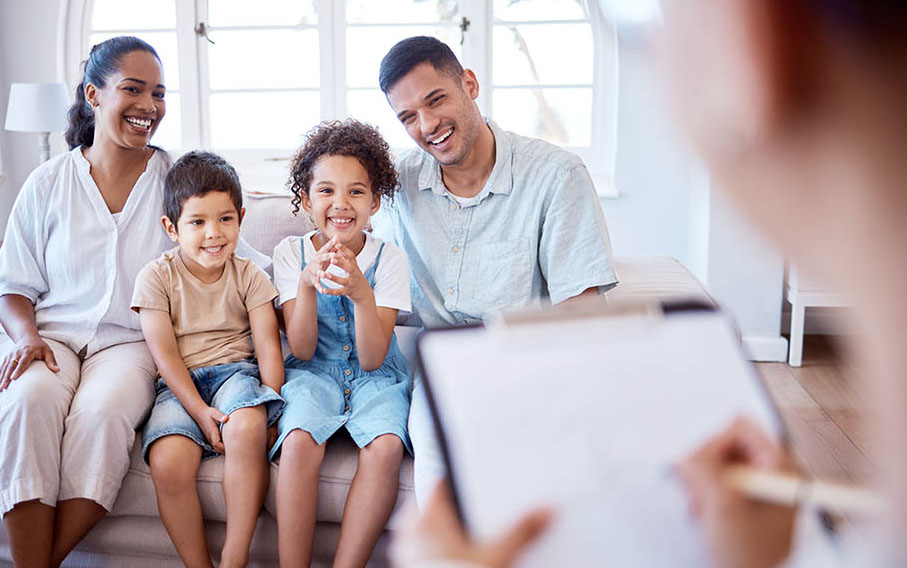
point(345, 368)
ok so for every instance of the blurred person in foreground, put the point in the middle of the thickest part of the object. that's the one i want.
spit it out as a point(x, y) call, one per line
point(799, 108)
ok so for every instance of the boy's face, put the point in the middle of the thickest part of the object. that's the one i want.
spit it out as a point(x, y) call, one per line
point(340, 199)
point(207, 232)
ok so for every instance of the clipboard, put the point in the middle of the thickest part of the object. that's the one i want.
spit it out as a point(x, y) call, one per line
point(585, 409)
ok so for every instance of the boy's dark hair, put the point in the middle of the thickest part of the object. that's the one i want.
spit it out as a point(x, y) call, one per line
point(347, 138)
point(412, 51)
point(103, 61)
point(195, 174)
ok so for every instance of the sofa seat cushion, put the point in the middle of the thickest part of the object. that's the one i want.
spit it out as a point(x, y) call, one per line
point(655, 278)
point(137, 497)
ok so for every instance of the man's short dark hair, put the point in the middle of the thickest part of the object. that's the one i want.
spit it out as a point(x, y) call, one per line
point(413, 51)
point(195, 174)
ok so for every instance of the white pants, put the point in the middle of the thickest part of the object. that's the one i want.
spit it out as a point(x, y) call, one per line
point(428, 465)
point(68, 435)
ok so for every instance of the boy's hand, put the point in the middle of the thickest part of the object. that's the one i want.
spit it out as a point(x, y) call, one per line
point(354, 286)
point(272, 436)
point(310, 276)
point(209, 420)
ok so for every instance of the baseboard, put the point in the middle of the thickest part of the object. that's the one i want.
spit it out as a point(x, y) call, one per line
point(765, 348)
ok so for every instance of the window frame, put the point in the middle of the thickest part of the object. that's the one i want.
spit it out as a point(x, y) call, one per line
point(265, 167)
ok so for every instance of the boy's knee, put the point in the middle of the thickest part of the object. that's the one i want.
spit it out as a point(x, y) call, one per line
point(246, 425)
point(174, 462)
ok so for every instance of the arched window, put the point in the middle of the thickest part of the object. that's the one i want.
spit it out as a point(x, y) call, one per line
point(248, 79)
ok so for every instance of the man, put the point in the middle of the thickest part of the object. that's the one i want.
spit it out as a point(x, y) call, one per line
point(489, 219)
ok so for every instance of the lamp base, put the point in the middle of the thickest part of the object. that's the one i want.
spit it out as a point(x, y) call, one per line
point(44, 143)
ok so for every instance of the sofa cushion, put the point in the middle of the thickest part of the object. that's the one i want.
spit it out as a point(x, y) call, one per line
point(269, 219)
point(136, 497)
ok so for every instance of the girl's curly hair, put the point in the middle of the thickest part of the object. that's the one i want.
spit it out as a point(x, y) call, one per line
point(343, 138)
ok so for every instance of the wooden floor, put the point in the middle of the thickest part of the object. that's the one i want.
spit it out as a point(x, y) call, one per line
point(824, 408)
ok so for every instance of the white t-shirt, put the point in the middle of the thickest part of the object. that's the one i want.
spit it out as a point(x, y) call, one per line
point(391, 275)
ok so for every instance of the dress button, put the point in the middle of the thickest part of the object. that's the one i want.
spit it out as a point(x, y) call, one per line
point(450, 291)
point(347, 391)
point(342, 318)
point(453, 207)
point(456, 248)
point(346, 409)
point(346, 347)
point(347, 372)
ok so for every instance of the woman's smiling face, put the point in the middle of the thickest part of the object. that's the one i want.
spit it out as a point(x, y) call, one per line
point(129, 108)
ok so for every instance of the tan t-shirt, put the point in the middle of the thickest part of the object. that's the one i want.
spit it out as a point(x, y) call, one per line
point(211, 321)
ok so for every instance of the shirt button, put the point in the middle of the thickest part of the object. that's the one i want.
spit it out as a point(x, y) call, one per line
point(450, 291)
point(347, 372)
point(346, 347)
point(342, 318)
point(456, 248)
point(453, 207)
point(347, 391)
point(346, 409)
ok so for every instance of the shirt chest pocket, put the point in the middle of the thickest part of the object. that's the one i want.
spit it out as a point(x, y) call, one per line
point(501, 273)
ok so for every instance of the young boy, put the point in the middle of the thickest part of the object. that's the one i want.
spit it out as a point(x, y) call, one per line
point(199, 304)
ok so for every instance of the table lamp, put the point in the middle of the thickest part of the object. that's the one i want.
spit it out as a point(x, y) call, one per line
point(38, 107)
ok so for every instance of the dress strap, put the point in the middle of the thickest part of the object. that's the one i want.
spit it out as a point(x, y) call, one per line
point(370, 273)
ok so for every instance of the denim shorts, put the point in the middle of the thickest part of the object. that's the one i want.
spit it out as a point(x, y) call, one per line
point(226, 387)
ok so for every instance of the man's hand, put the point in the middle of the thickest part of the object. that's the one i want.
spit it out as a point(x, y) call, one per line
point(28, 349)
point(209, 419)
point(741, 532)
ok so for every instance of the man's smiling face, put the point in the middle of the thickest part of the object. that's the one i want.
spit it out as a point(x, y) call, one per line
point(438, 111)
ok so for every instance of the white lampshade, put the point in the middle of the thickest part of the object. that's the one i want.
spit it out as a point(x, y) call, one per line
point(37, 107)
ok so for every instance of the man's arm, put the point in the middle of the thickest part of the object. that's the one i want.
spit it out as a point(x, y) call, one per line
point(575, 248)
point(161, 341)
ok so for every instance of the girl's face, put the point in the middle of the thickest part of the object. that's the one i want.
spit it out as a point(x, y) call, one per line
point(340, 199)
point(129, 108)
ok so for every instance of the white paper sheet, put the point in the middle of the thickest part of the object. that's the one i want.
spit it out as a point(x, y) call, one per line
point(588, 416)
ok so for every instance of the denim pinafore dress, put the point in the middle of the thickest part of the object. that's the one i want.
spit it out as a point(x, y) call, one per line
point(332, 390)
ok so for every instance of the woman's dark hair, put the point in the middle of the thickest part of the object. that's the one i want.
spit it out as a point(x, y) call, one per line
point(413, 51)
point(874, 20)
point(347, 138)
point(195, 174)
point(103, 60)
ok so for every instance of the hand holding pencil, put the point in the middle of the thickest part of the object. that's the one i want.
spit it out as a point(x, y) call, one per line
point(741, 532)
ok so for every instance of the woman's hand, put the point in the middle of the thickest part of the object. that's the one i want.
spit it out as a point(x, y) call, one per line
point(28, 349)
point(354, 286)
point(315, 267)
point(440, 536)
point(741, 532)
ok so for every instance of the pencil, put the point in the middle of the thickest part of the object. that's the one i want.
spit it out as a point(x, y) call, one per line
point(788, 489)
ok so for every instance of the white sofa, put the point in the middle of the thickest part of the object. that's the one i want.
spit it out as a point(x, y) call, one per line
point(132, 535)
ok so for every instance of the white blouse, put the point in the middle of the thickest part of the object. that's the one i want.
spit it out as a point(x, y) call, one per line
point(77, 262)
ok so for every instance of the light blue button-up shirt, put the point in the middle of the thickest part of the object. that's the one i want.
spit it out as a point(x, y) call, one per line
point(536, 233)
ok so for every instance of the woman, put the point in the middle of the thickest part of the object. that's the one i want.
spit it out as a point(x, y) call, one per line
point(76, 378)
point(799, 107)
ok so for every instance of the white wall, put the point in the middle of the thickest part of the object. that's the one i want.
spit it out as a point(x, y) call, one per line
point(665, 207)
point(28, 54)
